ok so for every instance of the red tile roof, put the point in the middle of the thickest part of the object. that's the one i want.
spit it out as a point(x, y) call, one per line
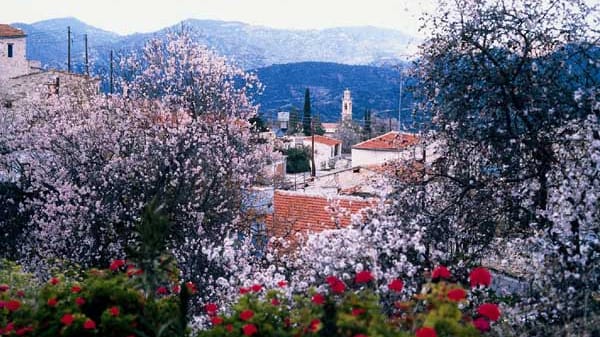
point(298, 212)
point(390, 141)
point(324, 140)
point(8, 31)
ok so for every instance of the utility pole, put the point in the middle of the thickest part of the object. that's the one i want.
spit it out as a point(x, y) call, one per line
point(87, 65)
point(400, 99)
point(313, 171)
point(111, 71)
point(69, 48)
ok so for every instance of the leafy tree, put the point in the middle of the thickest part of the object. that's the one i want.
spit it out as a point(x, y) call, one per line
point(297, 160)
point(367, 124)
point(294, 123)
point(307, 116)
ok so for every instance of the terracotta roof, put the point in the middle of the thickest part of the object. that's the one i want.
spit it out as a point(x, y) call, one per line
point(8, 31)
point(299, 212)
point(390, 141)
point(324, 140)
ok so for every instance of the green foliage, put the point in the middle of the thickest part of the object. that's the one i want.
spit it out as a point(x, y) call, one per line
point(297, 160)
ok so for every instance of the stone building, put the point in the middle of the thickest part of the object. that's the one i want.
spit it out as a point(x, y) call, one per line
point(21, 78)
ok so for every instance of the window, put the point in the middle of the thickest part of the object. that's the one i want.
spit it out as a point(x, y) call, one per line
point(10, 50)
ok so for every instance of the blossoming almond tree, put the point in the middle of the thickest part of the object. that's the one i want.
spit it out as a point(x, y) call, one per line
point(181, 135)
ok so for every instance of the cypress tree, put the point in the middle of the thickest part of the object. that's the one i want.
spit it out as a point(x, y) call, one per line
point(306, 127)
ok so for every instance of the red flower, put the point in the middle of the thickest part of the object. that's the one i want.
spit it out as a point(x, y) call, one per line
point(490, 311)
point(246, 315)
point(80, 301)
point(20, 293)
point(244, 290)
point(191, 287)
point(364, 276)
point(229, 328)
point(426, 332)
point(396, 285)
point(441, 272)
point(67, 319)
point(2, 305)
point(249, 329)
point(89, 324)
point(480, 276)
point(4, 287)
point(318, 299)
point(358, 311)
point(216, 320)
point(481, 324)
point(314, 326)
point(114, 311)
point(116, 264)
point(24, 330)
point(176, 288)
point(13, 305)
point(162, 291)
point(282, 284)
point(75, 289)
point(256, 288)
point(457, 294)
point(54, 281)
point(211, 309)
point(9, 327)
point(52, 302)
point(275, 301)
point(337, 285)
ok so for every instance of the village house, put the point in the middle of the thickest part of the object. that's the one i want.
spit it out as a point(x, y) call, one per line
point(327, 150)
point(20, 77)
point(387, 147)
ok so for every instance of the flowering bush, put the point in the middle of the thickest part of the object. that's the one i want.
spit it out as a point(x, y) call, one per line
point(354, 310)
point(110, 302)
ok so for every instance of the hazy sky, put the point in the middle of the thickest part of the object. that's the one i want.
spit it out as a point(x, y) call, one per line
point(128, 16)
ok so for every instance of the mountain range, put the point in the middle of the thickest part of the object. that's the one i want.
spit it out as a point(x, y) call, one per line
point(287, 61)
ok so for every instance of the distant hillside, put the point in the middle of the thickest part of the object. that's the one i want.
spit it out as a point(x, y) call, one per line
point(247, 45)
point(376, 88)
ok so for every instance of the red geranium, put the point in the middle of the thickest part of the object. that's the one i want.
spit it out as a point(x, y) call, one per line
point(13, 305)
point(52, 302)
point(229, 328)
point(457, 294)
point(116, 264)
point(318, 299)
point(216, 320)
point(249, 329)
point(54, 281)
point(75, 289)
point(358, 311)
point(481, 324)
point(337, 285)
point(244, 290)
point(89, 324)
point(282, 284)
point(480, 276)
point(246, 315)
point(490, 311)
point(275, 301)
point(396, 285)
point(4, 287)
point(114, 311)
point(364, 276)
point(426, 332)
point(191, 287)
point(211, 309)
point(80, 301)
point(67, 319)
point(314, 326)
point(256, 288)
point(441, 272)
point(162, 291)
